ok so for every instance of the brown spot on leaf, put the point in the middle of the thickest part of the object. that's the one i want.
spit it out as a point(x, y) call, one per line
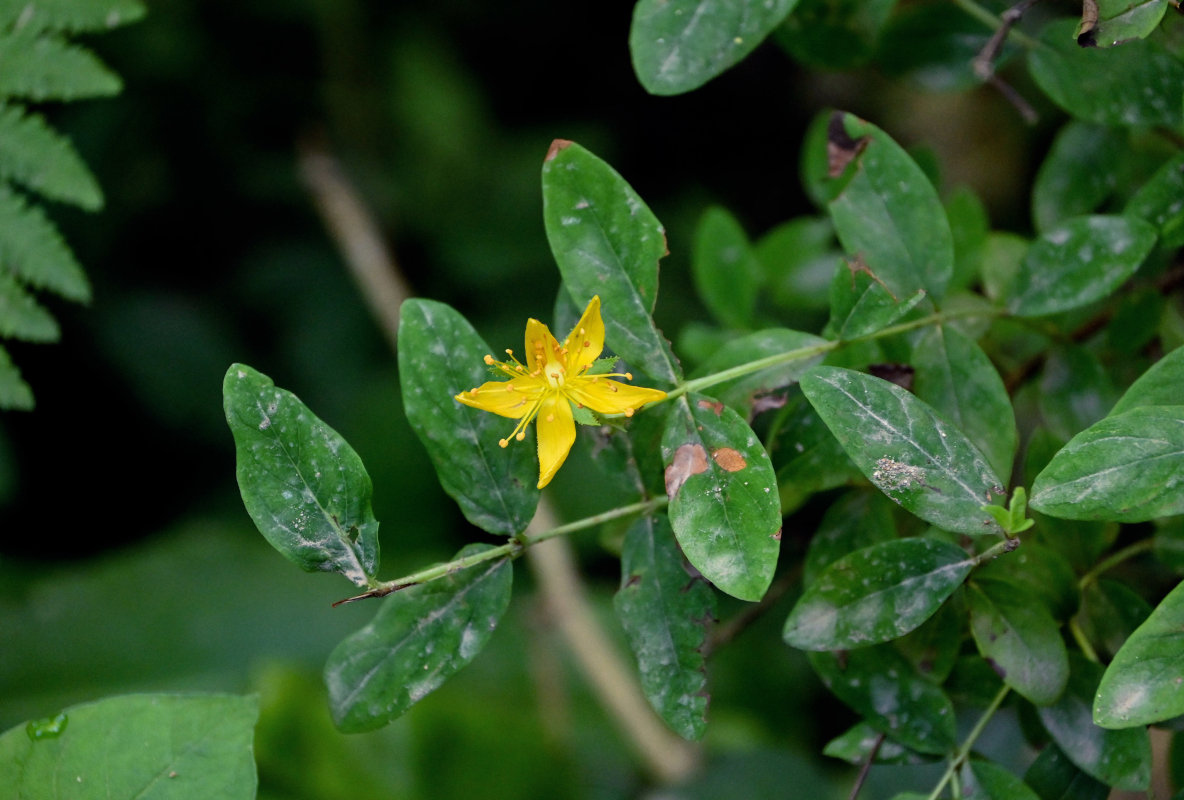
point(777, 536)
point(1087, 31)
point(689, 459)
point(858, 265)
point(707, 405)
point(729, 459)
point(841, 149)
point(556, 146)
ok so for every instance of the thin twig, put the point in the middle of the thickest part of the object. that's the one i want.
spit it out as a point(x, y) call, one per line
point(984, 62)
point(865, 768)
point(356, 235)
point(666, 756)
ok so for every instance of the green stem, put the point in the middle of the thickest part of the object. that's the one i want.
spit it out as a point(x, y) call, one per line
point(1082, 640)
point(1005, 546)
point(812, 351)
point(993, 21)
point(1113, 560)
point(515, 547)
point(964, 751)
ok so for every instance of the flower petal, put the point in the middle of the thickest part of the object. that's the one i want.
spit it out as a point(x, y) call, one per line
point(586, 340)
point(541, 346)
point(513, 398)
point(556, 434)
point(606, 396)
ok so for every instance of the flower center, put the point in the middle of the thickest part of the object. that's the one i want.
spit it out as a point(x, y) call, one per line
point(554, 372)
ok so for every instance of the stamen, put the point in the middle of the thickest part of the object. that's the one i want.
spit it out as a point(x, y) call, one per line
point(550, 418)
point(587, 344)
point(629, 376)
point(503, 443)
point(629, 412)
point(521, 435)
point(474, 390)
point(488, 360)
point(509, 387)
point(612, 386)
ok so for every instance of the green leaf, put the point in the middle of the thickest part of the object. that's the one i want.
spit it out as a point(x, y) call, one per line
point(798, 259)
point(933, 648)
point(907, 451)
point(743, 393)
point(32, 249)
point(607, 242)
point(860, 304)
point(880, 685)
point(809, 458)
point(834, 34)
point(726, 271)
point(22, 317)
point(34, 154)
point(679, 45)
point(988, 781)
point(1078, 173)
point(1110, 613)
point(888, 212)
point(858, 519)
point(1075, 390)
point(1160, 201)
point(861, 741)
point(933, 44)
point(724, 505)
point(1039, 571)
point(420, 637)
point(440, 355)
point(184, 747)
point(1158, 386)
point(1118, 758)
point(1094, 84)
point(1125, 468)
point(955, 377)
point(876, 594)
point(15, 394)
point(303, 485)
point(1120, 21)
point(1143, 683)
point(970, 226)
point(49, 68)
point(1054, 777)
point(1078, 262)
point(664, 611)
point(70, 16)
point(1019, 636)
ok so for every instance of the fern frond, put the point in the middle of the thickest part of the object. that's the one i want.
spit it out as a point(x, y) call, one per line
point(40, 158)
point(22, 317)
point(15, 394)
point(50, 68)
point(32, 250)
point(68, 16)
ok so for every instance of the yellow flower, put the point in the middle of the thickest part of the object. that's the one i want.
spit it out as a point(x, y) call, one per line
point(552, 381)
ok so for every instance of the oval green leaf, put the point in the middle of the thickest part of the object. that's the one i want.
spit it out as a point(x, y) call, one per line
point(1145, 681)
point(679, 45)
point(441, 355)
point(1078, 173)
point(1126, 468)
point(664, 611)
point(1055, 777)
point(1078, 262)
point(607, 242)
point(1139, 83)
point(1118, 758)
point(1018, 635)
point(955, 376)
point(184, 747)
point(303, 485)
point(882, 686)
point(420, 637)
point(906, 449)
point(724, 505)
point(1158, 386)
point(876, 594)
point(726, 271)
point(1161, 202)
point(987, 781)
point(858, 519)
point(888, 212)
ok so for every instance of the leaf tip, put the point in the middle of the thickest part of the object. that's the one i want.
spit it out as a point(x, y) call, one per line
point(557, 146)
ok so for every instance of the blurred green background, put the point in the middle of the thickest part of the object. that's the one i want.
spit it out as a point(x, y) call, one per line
point(127, 562)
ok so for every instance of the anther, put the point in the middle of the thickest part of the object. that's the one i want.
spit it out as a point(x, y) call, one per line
point(509, 387)
point(587, 344)
point(488, 360)
point(550, 418)
point(509, 352)
point(612, 386)
point(521, 435)
point(629, 376)
point(629, 412)
point(503, 443)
